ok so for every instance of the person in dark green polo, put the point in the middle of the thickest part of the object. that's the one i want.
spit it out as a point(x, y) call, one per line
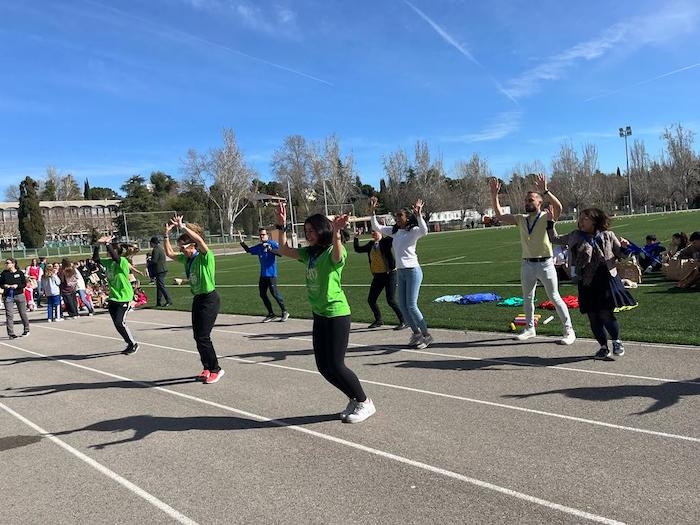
point(121, 292)
point(200, 267)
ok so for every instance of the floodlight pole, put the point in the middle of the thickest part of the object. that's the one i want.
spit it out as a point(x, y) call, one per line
point(624, 133)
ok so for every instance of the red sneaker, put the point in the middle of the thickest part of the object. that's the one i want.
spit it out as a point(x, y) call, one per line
point(214, 377)
point(203, 375)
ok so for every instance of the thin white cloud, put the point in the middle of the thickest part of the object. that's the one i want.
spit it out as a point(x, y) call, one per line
point(188, 38)
point(501, 126)
point(459, 47)
point(656, 28)
point(642, 82)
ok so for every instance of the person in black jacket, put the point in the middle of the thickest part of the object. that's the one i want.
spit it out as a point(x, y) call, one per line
point(12, 282)
point(158, 271)
point(383, 267)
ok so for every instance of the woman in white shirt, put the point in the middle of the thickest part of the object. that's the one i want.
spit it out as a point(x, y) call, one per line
point(410, 226)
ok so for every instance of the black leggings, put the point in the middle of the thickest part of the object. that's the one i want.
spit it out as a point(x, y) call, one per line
point(330, 337)
point(383, 281)
point(601, 321)
point(205, 308)
point(270, 283)
point(118, 313)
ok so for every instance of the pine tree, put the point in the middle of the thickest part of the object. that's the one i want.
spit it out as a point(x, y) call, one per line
point(32, 230)
point(86, 190)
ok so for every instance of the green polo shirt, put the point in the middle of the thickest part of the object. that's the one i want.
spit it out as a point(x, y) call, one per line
point(202, 272)
point(323, 283)
point(120, 289)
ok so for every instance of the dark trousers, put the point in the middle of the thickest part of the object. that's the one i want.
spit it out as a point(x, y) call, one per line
point(383, 281)
point(205, 308)
point(330, 340)
point(601, 321)
point(118, 312)
point(161, 291)
point(270, 283)
point(71, 304)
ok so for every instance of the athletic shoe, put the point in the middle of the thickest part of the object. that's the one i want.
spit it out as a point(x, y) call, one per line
point(268, 318)
point(13, 336)
point(603, 353)
point(25, 334)
point(415, 339)
point(569, 337)
point(375, 324)
point(401, 326)
point(49, 320)
point(362, 411)
point(203, 375)
point(425, 341)
point(58, 319)
point(348, 409)
point(618, 347)
point(91, 314)
point(285, 316)
point(131, 349)
point(214, 377)
point(526, 334)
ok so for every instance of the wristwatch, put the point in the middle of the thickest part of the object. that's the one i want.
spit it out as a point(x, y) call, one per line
point(280, 227)
point(545, 192)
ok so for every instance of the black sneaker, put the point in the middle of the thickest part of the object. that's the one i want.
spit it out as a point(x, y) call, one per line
point(603, 353)
point(268, 318)
point(131, 349)
point(13, 336)
point(375, 324)
point(25, 334)
point(401, 326)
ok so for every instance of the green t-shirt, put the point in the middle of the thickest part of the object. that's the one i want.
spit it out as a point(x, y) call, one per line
point(323, 283)
point(201, 272)
point(120, 289)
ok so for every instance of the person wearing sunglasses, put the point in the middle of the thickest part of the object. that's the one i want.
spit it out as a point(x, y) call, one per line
point(12, 282)
point(200, 268)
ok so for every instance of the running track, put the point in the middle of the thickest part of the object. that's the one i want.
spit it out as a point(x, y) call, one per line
point(475, 429)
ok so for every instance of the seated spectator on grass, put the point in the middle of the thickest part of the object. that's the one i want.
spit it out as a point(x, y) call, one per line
point(678, 242)
point(691, 252)
point(650, 256)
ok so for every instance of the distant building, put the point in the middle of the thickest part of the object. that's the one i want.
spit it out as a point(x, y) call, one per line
point(64, 220)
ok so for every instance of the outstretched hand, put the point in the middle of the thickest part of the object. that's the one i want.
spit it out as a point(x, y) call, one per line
point(494, 186)
point(550, 214)
point(418, 207)
point(541, 182)
point(373, 202)
point(105, 239)
point(178, 220)
point(281, 213)
point(340, 222)
point(169, 227)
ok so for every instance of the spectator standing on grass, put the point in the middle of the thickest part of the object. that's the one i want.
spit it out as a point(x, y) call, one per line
point(595, 251)
point(410, 226)
point(121, 292)
point(537, 263)
point(200, 269)
point(158, 271)
point(383, 267)
point(324, 258)
point(51, 284)
point(266, 250)
point(12, 282)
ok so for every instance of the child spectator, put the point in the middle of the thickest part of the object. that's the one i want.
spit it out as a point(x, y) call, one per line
point(50, 283)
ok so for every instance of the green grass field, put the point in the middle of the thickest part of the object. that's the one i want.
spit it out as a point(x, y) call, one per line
point(482, 260)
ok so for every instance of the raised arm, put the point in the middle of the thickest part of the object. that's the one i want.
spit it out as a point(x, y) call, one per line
point(281, 234)
point(554, 238)
point(386, 230)
point(167, 248)
point(198, 240)
point(339, 224)
point(106, 240)
point(418, 212)
point(555, 204)
point(495, 187)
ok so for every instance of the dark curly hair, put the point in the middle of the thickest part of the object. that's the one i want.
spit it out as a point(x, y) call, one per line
point(411, 223)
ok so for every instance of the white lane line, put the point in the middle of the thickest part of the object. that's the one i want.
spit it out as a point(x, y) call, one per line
point(408, 389)
point(150, 498)
point(363, 448)
point(445, 260)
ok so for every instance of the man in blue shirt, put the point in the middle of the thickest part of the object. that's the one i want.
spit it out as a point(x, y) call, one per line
point(266, 251)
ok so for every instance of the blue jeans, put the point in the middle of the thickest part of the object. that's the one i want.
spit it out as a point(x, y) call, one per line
point(409, 287)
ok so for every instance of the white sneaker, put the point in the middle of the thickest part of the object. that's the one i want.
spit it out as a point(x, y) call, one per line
point(415, 339)
point(569, 337)
point(285, 316)
point(348, 409)
point(362, 411)
point(425, 341)
point(526, 334)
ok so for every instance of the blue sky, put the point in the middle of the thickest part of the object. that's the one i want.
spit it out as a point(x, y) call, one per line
point(105, 90)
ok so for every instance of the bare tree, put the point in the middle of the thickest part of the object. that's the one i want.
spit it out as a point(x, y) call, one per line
point(473, 188)
point(394, 185)
point(573, 177)
point(338, 175)
point(682, 175)
point(293, 162)
point(12, 193)
point(427, 179)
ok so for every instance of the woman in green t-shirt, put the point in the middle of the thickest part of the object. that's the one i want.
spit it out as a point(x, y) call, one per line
point(324, 258)
point(199, 269)
point(121, 292)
